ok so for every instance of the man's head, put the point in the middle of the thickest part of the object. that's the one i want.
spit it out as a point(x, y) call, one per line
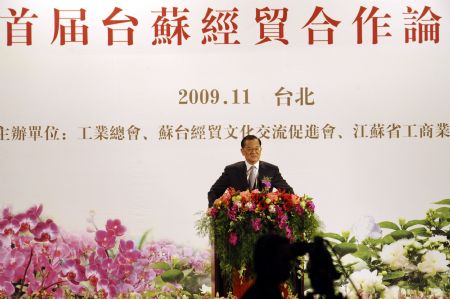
point(251, 148)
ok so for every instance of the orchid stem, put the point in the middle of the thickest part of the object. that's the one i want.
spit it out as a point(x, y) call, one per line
point(25, 274)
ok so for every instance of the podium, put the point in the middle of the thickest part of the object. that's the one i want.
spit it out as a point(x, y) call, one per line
point(240, 285)
point(237, 220)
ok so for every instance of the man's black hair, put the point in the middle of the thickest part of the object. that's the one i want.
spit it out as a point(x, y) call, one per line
point(249, 137)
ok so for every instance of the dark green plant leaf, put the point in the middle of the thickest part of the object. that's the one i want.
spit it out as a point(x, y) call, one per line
point(394, 275)
point(364, 252)
point(389, 225)
point(345, 248)
point(142, 239)
point(160, 265)
point(187, 272)
point(172, 275)
point(334, 236)
point(443, 212)
point(401, 234)
point(443, 202)
point(420, 231)
point(388, 239)
point(415, 222)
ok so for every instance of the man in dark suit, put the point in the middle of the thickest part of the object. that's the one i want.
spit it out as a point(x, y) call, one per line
point(241, 176)
point(248, 174)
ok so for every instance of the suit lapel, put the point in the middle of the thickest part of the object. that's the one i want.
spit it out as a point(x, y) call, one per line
point(261, 171)
point(243, 176)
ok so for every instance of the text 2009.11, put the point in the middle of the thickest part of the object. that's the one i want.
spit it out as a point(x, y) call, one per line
point(205, 96)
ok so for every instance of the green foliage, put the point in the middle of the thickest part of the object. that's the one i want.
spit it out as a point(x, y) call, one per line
point(172, 275)
point(333, 236)
point(143, 239)
point(394, 275)
point(345, 248)
point(161, 266)
point(414, 238)
point(388, 224)
point(401, 234)
point(364, 252)
point(443, 202)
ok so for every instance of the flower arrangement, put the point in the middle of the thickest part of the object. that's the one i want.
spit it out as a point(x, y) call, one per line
point(237, 219)
point(38, 260)
point(411, 260)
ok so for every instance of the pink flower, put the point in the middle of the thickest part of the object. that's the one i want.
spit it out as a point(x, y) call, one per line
point(73, 271)
point(6, 213)
point(310, 206)
point(7, 227)
point(6, 287)
point(120, 269)
point(34, 212)
point(233, 238)
point(282, 220)
point(266, 182)
point(5, 241)
point(94, 274)
point(256, 224)
point(232, 213)
point(116, 227)
point(26, 222)
point(107, 240)
point(45, 231)
point(299, 210)
point(289, 233)
point(213, 212)
point(126, 248)
point(13, 263)
point(250, 206)
point(106, 289)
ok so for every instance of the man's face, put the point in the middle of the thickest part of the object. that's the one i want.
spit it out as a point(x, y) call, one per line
point(251, 151)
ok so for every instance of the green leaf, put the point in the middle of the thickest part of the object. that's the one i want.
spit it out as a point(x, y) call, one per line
point(415, 222)
point(150, 294)
point(160, 265)
point(174, 261)
point(364, 252)
point(345, 248)
point(420, 231)
point(401, 234)
point(388, 239)
point(334, 236)
point(158, 281)
point(443, 202)
point(173, 275)
point(444, 212)
point(394, 275)
point(389, 225)
point(187, 272)
point(443, 209)
point(142, 239)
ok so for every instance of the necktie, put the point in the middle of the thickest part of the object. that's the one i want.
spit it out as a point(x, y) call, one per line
point(252, 178)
